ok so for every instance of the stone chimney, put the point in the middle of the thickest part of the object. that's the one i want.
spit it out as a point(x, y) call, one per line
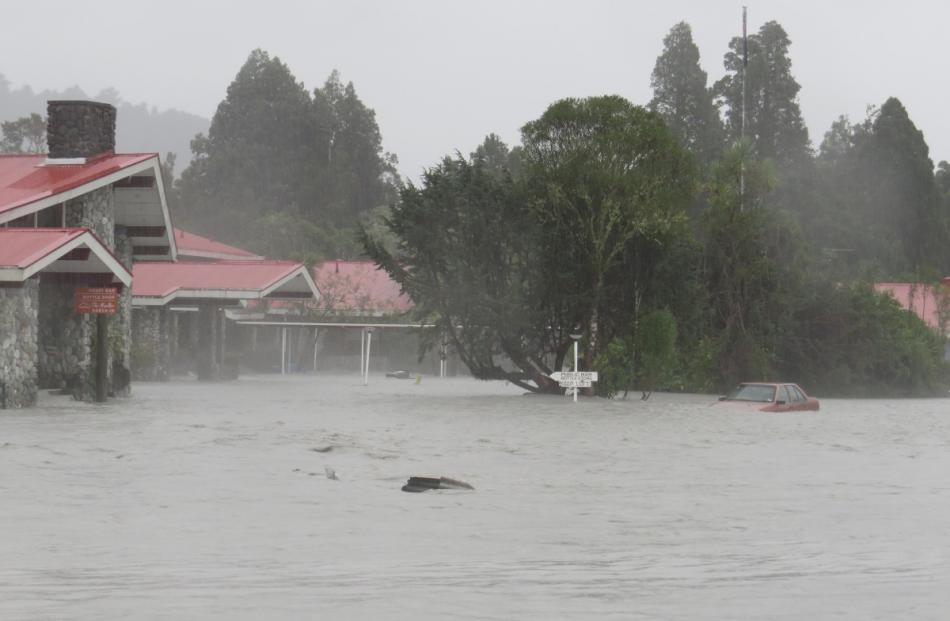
point(79, 129)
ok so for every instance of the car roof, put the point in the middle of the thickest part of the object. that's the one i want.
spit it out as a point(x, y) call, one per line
point(774, 384)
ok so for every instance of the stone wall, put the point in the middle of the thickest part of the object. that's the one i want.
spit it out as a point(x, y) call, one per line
point(96, 212)
point(79, 128)
point(120, 335)
point(152, 338)
point(18, 344)
point(66, 340)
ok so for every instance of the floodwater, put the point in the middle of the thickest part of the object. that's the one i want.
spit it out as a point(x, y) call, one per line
point(211, 501)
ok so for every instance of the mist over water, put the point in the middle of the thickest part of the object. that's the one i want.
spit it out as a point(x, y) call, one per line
point(211, 501)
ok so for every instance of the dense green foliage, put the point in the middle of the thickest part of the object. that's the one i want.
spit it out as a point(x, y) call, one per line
point(466, 254)
point(597, 226)
point(883, 208)
point(773, 118)
point(645, 357)
point(286, 172)
point(509, 268)
point(609, 187)
point(850, 340)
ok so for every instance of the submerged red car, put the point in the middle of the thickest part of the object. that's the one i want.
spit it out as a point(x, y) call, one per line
point(771, 397)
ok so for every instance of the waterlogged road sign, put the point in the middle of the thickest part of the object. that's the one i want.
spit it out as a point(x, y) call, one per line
point(96, 300)
point(574, 379)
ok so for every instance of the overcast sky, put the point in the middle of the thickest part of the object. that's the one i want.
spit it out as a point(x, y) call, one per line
point(442, 74)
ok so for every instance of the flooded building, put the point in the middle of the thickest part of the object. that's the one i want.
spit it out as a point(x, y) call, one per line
point(72, 224)
point(180, 309)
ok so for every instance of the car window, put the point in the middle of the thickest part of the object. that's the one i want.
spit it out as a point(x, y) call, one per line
point(797, 393)
point(753, 392)
point(783, 394)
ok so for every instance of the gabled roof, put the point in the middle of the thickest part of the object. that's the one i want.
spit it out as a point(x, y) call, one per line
point(26, 179)
point(31, 183)
point(191, 245)
point(921, 299)
point(25, 252)
point(156, 284)
point(359, 287)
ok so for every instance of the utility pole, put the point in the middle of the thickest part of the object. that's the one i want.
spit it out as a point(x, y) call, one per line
point(745, 69)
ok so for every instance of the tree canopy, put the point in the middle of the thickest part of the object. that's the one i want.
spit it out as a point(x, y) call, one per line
point(284, 171)
point(510, 267)
point(24, 135)
point(681, 96)
point(686, 256)
point(774, 121)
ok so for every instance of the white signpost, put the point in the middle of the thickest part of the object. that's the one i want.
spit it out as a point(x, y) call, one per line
point(574, 379)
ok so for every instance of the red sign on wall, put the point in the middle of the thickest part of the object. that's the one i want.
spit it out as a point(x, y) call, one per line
point(97, 300)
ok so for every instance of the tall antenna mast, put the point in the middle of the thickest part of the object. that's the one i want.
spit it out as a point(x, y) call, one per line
point(745, 67)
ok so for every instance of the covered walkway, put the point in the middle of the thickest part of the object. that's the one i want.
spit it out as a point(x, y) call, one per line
point(161, 289)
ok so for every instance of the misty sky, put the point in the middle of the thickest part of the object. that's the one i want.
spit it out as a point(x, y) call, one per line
point(442, 74)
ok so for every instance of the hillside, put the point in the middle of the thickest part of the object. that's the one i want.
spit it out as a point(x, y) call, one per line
point(139, 127)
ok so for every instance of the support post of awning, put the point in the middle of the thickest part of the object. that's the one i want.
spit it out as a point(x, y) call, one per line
point(316, 336)
point(283, 351)
point(369, 343)
point(362, 350)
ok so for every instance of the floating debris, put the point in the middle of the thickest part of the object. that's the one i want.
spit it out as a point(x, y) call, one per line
point(331, 473)
point(421, 484)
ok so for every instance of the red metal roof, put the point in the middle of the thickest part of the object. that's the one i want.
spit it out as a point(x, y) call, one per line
point(922, 300)
point(160, 280)
point(24, 247)
point(359, 286)
point(24, 179)
point(192, 245)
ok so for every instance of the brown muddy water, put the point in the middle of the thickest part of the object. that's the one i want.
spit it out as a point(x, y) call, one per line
point(212, 501)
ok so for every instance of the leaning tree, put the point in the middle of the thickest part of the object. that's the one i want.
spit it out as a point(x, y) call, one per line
point(507, 269)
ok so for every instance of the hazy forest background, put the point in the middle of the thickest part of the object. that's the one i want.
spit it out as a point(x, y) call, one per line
point(688, 257)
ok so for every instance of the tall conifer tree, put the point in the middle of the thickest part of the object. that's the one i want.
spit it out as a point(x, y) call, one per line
point(774, 122)
point(681, 97)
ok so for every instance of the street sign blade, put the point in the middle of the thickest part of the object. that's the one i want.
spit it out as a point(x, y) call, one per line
point(590, 376)
point(575, 383)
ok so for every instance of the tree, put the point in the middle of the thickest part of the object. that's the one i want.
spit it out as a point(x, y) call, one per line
point(610, 186)
point(645, 358)
point(751, 269)
point(656, 349)
point(773, 118)
point(883, 204)
point(467, 256)
point(260, 145)
point(279, 158)
point(902, 192)
point(497, 157)
point(849, 340)
point(681, 97)
point(509, 268)
point(24, 135)
point(357, 176)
